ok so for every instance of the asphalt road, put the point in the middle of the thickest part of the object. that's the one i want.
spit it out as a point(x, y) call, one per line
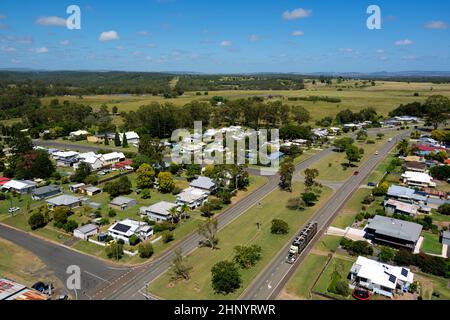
point(58, 258)
point(102, 280)
point(271, 281)
point(137, 279)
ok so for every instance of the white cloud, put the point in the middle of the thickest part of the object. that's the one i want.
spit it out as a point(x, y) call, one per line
point(226, 43)
point(380, 51)
point(40, 50)
point(51, 21)
point(296, 14)
point(8, 49)
point(405, 42)
point(2, 16)
point(151, 45)
point(436, 25)
point(65, 43)
point(409, 58)
point(298, 33)
point(15, 61)
point(254, 38)
point(384, 58)
point(348, 50)
point(144, 33)
point(109, 36)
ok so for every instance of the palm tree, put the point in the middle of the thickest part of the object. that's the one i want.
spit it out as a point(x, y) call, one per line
point(175, 214)
point(184, 210)
point(403, 147)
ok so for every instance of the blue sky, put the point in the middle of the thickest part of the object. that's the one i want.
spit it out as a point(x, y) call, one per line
point(226, 36)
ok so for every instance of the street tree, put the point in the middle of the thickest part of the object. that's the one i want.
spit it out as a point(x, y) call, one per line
point(208, 230)
point(180, 270)
point(225, 278)
point(286, 172)
point(310, 177)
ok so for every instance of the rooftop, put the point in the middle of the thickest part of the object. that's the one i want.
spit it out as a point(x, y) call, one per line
point(121, 201)
point(64, 200)
point(87, 228)
point(395, 228)
point(161, 208)
point(46, 189)
point(203, 183)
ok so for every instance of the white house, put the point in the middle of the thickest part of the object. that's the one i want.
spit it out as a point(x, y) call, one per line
point(380, 278)
point(78, 134)
point(20, 186)
point(112, 158)
point(159, 211)
point(132, 137)
point(204, 183)
point(86, 231)
point(92, 159)
point(192, 197)
point(418, 179)
point(124, 229)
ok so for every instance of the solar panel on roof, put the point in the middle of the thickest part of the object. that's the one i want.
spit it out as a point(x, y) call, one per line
point(392, 278)
point(121, 228)
point(404, 272)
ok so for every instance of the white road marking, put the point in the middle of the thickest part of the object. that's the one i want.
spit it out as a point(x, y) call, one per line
point(95, 276)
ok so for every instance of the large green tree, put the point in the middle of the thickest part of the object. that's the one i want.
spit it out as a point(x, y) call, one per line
point(225, 278)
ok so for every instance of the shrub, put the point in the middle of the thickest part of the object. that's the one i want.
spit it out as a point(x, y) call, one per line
point(166, 225)
point(146, 194)
point(114, 251)
point(36, 221)
point(386, 254)
point(167, 236)
point(134, 240)
point(176, 191)
point(279, 227)
point(70, 225)
point(225, 278)
point(145, 250)
point(444, 209)
point(112, 213)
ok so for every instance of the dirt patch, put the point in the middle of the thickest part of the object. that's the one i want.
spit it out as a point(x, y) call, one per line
point(288, 296)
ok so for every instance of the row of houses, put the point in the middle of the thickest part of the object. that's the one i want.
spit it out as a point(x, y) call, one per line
point(95, 161)
point(131, 136)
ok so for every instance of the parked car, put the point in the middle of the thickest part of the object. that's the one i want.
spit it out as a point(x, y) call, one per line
point(372, 184)
point(356, 173)
point(12, 210)
point(377, 153)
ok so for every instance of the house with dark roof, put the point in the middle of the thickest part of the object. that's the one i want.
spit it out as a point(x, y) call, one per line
point(45, 192)
point(415, 166)
point(393, 232)
point(124, 229)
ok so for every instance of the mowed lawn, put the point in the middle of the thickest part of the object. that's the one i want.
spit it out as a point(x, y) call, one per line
point(431, 243)
point(340, 263)
point(331, 167)
point(301, 283)
point(243, 231)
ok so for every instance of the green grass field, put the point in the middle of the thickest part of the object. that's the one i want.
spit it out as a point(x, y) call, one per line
point(430, 284)
point(384, 97)
point(331, 169)
point(242, 231)
point(302, 282)
point(340, 262)
point(431, 243)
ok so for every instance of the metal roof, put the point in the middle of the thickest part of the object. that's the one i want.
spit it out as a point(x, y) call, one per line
point(395, 228)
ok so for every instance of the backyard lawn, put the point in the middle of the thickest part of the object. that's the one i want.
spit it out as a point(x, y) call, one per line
point(431, 243)
point(242, 231)
point(340, 263)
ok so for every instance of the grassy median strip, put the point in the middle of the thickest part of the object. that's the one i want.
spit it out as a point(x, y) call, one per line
point(242, 231)
point(331, 167)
